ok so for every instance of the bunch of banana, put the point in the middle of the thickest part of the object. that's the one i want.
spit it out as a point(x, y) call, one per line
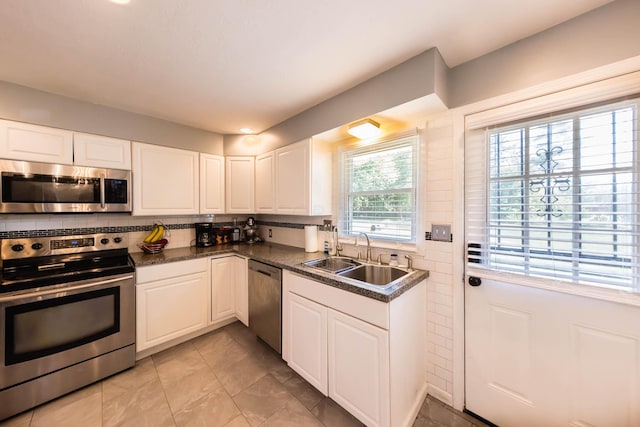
point(156, 234)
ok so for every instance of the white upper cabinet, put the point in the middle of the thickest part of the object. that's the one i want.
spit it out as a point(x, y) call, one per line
point(240, 184)
point(304, 178)
point(22, 141)
point(101, 151)
point(265, 183)
point(165, 180)
point(211, 184)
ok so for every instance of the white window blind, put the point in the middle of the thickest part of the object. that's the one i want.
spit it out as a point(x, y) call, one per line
point(557, 197)
point(379, 190)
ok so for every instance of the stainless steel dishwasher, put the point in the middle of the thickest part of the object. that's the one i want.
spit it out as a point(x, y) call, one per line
point(265, 303)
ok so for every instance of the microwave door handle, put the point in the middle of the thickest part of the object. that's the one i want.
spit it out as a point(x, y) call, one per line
point(103, 197)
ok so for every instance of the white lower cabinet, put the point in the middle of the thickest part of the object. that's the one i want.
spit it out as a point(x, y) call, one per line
point(223, 296)
point(229, 289)
point(241, 289)
point(307, 333)
point(171, 301)
point(367, 355)
point(359, 367)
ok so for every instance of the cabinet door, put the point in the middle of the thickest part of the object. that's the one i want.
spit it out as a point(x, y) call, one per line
point(165, 180)
point(241, 290)
point(359, 368)
point(265, 183)
point(292, 179)
point(101, 151)
point(211, 183)
point(240, 185)
point(170, 308)
point(307, 329)
point(22, 141)
point(223, 288)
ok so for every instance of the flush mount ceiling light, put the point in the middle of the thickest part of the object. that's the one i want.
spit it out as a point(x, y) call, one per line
point(120, 1)
point(364, 129)
point(246, 130)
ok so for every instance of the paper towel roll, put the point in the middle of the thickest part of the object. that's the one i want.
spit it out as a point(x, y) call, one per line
point(310, 238)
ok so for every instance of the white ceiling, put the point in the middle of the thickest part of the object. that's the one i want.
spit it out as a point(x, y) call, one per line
point(222, 65)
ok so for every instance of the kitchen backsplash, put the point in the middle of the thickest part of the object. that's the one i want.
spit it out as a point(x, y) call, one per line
point(181, 230)
point(286, 230)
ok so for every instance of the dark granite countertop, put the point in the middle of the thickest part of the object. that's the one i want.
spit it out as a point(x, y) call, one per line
point(286, 257)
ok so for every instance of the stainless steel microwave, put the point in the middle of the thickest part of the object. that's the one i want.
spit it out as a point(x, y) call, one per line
point(29, 187)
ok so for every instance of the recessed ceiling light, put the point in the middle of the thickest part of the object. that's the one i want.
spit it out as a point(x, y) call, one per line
point(364, 129)
point(120, 1)
point(246, 130)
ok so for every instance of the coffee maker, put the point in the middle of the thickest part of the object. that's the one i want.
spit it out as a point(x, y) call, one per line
point(205, 235)
point(251, 231)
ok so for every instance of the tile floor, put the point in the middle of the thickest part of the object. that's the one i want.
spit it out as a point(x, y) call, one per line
point(224, 378)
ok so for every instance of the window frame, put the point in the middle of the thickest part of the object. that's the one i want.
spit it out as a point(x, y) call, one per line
point(481, 256)
point(345, 220)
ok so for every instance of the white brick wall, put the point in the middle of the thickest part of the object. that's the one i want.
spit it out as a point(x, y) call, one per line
point(438, 180)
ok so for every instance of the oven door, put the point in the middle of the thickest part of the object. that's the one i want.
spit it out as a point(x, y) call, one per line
point(49, 329)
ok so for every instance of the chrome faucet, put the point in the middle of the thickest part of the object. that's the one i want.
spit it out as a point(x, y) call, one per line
point(380, 257)
point(409, 262)
point(368, 257)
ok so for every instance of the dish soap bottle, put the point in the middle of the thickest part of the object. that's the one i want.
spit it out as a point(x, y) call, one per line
point(393, 260)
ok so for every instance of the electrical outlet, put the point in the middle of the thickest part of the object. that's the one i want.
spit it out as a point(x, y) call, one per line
point(270, 233)
point(441, 233)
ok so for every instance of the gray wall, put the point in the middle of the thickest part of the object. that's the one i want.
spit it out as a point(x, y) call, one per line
point(603, 36)
point(23, 104)
point(422, 75)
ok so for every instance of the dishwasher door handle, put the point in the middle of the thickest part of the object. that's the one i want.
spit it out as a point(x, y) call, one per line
point(266, 273)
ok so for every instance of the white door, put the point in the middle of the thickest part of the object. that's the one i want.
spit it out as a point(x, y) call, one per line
point(23, 141)
point(240, 184)
point(241, 285)
point(292, 179)
point(307, 330)
point(211, 184)
point(359, 368)
point(538, 357)
point(223, 305)
point(265, 183)
point(101, 151)
point(165, 180)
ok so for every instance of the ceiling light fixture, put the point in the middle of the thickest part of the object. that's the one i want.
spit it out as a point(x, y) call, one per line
point(246, 130)
point(364, 129)
point(120, 1)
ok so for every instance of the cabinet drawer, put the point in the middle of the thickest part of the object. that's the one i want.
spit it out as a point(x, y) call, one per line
point(151, 273)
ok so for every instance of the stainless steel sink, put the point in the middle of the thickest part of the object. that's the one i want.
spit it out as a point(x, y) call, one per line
point(378, 275)
point(333, 264)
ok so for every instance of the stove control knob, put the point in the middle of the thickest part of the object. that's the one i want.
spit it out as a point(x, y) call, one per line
point(17, 248)
point(104, 240)
point(117, 239)
point(37, 246)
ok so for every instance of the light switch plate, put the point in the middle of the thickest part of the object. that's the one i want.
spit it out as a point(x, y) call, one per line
point(441, 233)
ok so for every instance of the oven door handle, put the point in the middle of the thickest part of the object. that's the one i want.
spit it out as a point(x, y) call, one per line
point(51, 266)
point(67, 289)
point(103, 196)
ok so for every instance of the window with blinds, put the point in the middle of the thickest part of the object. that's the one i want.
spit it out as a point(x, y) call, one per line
point(558, 197)
point(379, 190)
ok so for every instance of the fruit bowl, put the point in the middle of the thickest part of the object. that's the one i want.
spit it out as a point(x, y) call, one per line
point(153, 248)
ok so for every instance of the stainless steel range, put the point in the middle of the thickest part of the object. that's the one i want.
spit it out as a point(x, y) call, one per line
point(67, 316)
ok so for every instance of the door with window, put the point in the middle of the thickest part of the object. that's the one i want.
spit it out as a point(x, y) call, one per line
point(552, 310)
